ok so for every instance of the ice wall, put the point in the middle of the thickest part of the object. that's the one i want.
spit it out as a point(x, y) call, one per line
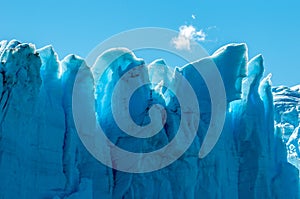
point(286, 114)
point(41, 155)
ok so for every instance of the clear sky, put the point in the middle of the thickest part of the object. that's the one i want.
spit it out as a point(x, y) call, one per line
point(271, 28)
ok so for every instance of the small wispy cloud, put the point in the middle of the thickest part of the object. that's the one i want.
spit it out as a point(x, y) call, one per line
point(186, 35)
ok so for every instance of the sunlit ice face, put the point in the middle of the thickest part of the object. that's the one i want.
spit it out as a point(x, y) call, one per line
point(234, 82)
point(238, 83)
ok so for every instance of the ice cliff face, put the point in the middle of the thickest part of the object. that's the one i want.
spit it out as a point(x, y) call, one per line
point(41, 155)
point(287, 108)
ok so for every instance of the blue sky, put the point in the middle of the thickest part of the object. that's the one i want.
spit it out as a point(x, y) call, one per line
point(271, 28)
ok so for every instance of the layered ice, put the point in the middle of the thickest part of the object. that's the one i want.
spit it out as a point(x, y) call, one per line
point(287, 109)
point(41, 155)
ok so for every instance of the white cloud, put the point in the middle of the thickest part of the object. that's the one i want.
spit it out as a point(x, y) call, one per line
point(185, 35)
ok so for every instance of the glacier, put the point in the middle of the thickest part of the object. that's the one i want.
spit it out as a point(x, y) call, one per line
point(287, 108)
point(41, 155)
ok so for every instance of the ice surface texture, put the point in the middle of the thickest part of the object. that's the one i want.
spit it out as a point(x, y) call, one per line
point(287, 109)
point(41, 155)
